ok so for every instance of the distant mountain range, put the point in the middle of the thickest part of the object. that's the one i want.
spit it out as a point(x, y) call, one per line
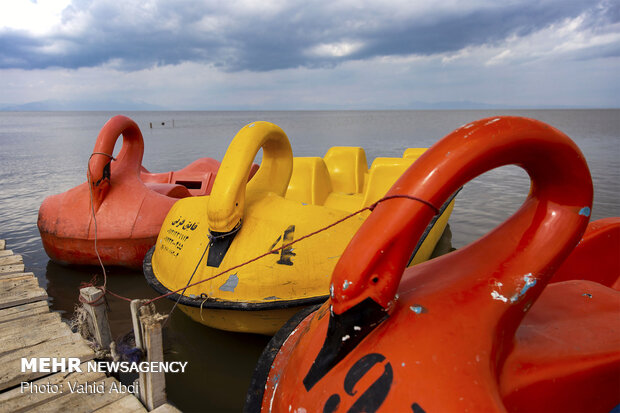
point(65, 105)
point(121, 105)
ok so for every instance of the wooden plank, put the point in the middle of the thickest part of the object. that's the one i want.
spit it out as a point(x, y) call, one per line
point(26, 331)
point(21, 296)
point(25, 397)
point(127, 404)
point(18, 279)
point(80, 402)
point(11, 269)
point(33, 322)
point(67, 346)
point(2, 244)
point(15, 274)
point(28, 337)
point(23, 311)
point(11, 260)
point(4, 253)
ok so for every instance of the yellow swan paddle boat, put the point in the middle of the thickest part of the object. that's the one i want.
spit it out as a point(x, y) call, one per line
point(287, 198)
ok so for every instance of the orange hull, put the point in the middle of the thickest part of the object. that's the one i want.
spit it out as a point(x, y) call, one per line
point(72, 251)
point(596, 257)
point(122, 205)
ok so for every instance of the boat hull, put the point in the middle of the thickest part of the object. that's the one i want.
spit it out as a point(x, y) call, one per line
point(127, 252)
point(265, 322)
point(259, 318)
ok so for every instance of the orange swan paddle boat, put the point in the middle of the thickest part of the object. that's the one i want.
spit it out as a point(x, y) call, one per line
point(121, 207)
point(480, 329)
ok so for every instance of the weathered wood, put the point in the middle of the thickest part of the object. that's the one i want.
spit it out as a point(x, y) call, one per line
point(22, 338)
point(22, 311)
point(34, 322)
point(68, 346)
point(11, 260)
point(139, 310)
point(135, 309)
point(24, 397)
point(15, 274)
point(155, 391)
point(53, 379)
point(127, 404)
point(16, 280)
point(29, 330)
point(84, 402)
point(18, 296)
point(98, 316)
point(12, 269)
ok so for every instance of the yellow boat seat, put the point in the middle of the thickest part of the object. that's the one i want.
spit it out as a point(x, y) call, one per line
point(347, 167)
point(313, 180)
point(413, 152)
point(310, 181)
point(382, 175)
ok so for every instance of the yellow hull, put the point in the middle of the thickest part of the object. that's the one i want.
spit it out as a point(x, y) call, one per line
point(287, 199)
point(266, 322)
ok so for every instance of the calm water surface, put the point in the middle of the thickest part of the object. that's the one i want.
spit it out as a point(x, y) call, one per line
point(46, 153)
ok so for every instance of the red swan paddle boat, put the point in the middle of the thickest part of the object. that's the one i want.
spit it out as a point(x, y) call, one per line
point(128, 202)
point(479, 329)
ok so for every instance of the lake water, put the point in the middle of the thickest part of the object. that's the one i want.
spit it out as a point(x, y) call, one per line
point(46, 153)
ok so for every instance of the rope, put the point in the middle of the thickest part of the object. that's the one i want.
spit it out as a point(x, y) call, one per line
point(188, 281)
point(212, 237)
point(368, 208)
point(99, 300)
point(92, 210)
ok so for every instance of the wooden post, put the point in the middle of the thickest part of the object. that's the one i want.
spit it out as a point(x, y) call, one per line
point(147, 325)
point(136, 312)
point(153, 342)
point(98, 316)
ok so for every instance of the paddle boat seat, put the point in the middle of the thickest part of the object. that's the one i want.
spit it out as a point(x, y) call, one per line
point(590, 260)
point(176, 191)
point(197, 178)
point(313, 183)
point(347, 167)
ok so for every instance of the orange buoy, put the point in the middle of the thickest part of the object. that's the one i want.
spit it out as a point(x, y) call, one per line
point(449, 334)
point(128, 202)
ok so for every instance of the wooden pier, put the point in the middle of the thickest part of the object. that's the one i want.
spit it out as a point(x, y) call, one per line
point(28, 329)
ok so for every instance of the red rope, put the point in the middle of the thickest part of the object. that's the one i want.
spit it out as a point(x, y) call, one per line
point(368, 208)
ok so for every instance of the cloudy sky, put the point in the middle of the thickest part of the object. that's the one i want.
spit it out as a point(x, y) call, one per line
point(310, 54)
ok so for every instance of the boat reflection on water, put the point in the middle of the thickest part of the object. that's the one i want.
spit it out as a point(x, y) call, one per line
point(219, 363)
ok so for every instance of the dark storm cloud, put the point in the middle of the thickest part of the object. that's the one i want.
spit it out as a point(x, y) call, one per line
point(135, 35)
